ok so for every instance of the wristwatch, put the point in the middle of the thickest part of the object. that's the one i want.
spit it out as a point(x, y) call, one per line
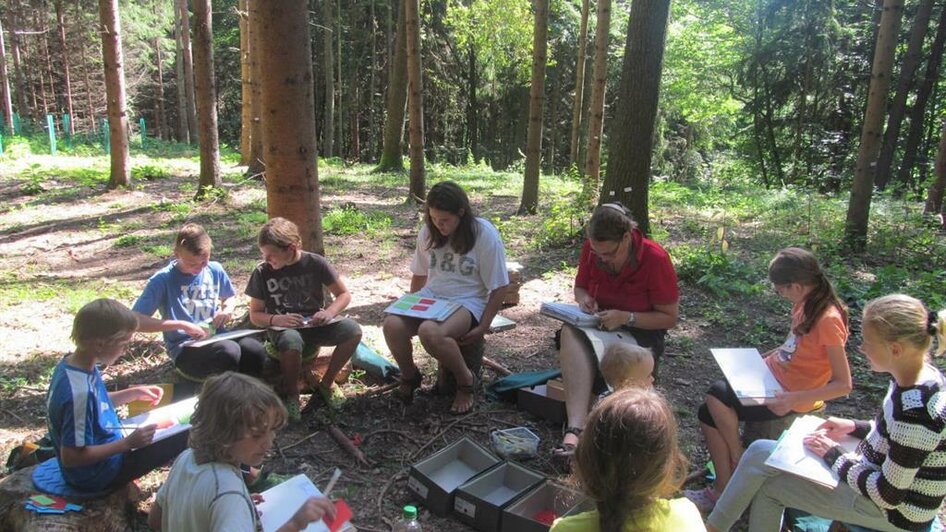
point(631, 319)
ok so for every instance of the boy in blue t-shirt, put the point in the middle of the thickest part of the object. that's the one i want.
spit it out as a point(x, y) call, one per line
point(194, 297)
point(81, 418)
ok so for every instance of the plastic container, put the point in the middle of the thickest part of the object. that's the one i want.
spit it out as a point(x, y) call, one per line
point(515, 443)
point(408, 522)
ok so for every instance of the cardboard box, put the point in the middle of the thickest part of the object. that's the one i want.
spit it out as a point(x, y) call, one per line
point(435, 479)
point(555, 389)
point(536, 401)
point(545, 502)
point(480, 502)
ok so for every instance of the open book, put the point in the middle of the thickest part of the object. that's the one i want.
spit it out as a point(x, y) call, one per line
point(282, 501)
point(171, 419)
point(425, 308)
point(308, 323)
point(747, 374)
point(570, 314)
point(791, 455)
point(229, 335)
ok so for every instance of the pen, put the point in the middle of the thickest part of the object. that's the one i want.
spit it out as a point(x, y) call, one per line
point(331, 482)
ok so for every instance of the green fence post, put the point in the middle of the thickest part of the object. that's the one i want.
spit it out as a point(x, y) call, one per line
point(1, 144)
point(17, 124)
point(51, 125)
point(144, 131)
point(106, 137)
point(66, 129)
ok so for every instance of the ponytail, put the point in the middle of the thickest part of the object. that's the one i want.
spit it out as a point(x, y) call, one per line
point(796, 265)
point(901, 318)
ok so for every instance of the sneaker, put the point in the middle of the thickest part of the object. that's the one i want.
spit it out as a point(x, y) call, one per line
point(292, 410)
point(334, 397)
point(704, 499)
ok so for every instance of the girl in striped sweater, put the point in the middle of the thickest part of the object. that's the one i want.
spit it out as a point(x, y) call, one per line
point(896, 480)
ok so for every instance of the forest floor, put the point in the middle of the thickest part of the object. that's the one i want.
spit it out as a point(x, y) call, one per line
point(63, 244)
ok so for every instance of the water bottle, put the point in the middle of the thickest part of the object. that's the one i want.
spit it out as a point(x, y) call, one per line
point(408, 522)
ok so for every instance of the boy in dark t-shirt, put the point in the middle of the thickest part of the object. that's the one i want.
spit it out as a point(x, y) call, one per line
point(286, 295)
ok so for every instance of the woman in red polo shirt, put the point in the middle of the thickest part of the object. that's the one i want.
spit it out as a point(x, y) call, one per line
point(630, 283)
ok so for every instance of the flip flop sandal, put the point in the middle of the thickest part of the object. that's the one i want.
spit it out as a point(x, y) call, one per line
point(468, 389)
point(566, 450)
point(407, 397)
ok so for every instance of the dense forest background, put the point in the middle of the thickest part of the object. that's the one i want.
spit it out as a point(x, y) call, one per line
point(769, 91)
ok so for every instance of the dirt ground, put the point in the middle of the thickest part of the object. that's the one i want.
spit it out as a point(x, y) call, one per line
point(71, 237)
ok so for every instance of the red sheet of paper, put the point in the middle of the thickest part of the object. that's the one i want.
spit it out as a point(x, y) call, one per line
point(342, 515)
point(420, 308)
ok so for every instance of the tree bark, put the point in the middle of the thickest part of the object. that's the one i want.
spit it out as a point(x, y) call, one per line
point(911, 60)
point(246, 90)
point(5, 87)
point(90, 107)
point(190, 98)
point(67, 79)
point(183, 130)
point(288, 111)
point(51, 100)
point(19, 87)
point(415, 100)
point(160, 117)
point(934, 195)
point(255, 164)
point(328, 70)
point(596, 112)
point(918, 111)
point(630, 146)
point(120, 175)
point(206, 95)
point(858, 210)
point(579, 85)
point(530, 185)
point(396, 99)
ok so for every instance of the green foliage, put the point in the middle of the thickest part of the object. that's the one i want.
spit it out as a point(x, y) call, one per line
point(349, 220)
point(719, 273)
point(148, 172)
point(72, 294)
point(158, 250)
point(127, 241)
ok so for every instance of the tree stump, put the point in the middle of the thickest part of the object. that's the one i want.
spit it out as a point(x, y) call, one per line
point(771, 430)
point(113, 512)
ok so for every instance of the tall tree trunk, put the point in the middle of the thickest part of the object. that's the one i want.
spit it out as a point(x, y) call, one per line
point(160, 118)
point(415, 100)
point(556, 96)
point(190, 98)
point(50, 100)
point(579, 85)
point(530, 185)
point(858, 210)
point(19, 84)
point(246, 112)
point(328, 70)
point(918, 111)
point(183, 130)
point(472, 106)
point(90, 107)
point(255, 164)
point(5, 87)
point(596, 112)
point(340, 124)
point(206, 94)
point(934, 195)
point(288, 111)
point(67, 79)
point(630, 147)
point(911, 60)
point(396, 99)
point(120, 175)
point(372, 83)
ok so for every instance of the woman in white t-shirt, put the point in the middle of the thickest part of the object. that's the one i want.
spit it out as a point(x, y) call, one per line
point(459, 257)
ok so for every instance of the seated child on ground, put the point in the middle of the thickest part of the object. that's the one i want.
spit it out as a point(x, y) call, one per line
point(627, 461)
point(194, 298)
point(83, 425)
point(286, 293)
point(235, 423)
point(626, 365)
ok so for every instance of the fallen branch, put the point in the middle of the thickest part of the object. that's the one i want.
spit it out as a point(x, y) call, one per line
point(347, 445)
point(307, 438)
point(382, 389)
point(403, 433)
point(496, 366)
point(385, 488)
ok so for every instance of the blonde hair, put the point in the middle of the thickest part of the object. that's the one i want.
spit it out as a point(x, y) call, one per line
point(193, 239)
point(620, 361)
point(627, 457)
point(231, 406)
point(901, 318)
point(279, 232)
point(102, 319)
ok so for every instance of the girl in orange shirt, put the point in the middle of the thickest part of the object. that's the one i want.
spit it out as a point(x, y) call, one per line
point(811, 365)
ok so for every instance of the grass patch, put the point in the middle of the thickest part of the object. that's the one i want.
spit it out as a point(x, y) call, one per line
point(349, 220)
point(69, 294)
point(127, 241)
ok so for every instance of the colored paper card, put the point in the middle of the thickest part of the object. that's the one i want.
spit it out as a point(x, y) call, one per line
point(420, 308)
point(427, 301)
point(342, 515)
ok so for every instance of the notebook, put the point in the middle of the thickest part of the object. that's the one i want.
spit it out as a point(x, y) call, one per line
point(570, 314)
point(426, 308)
point(282, 501)
point(791, 455)
point(747, 374)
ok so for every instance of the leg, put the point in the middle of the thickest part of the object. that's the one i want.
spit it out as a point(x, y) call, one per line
point(440, 340)
point(719, 454)
point(578, 364)
point(289, 344)
point(252, 356)
point(141, 461)
point(345, 335)
point(727, 426)
point(748, 478)
point(398, 331)
point(201, 362)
